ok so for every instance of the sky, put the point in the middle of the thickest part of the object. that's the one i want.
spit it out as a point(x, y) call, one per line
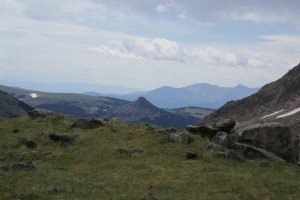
point(146, 44)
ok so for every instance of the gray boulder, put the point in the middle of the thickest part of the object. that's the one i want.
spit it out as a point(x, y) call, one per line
point(233, 155)
point(89, 123)
point(211, 129)
point(221, 139)
point(202, 130)
point(181, 138)
point(253, 153)
point(272, 137)
point(225, 125)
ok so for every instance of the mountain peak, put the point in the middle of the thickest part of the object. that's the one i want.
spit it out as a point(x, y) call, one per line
point(142, 99)
point(283, 94)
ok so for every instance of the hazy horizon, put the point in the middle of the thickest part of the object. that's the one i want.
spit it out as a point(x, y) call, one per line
point(148, 44)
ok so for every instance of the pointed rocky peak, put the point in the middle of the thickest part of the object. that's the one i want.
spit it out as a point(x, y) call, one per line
point(142, 101)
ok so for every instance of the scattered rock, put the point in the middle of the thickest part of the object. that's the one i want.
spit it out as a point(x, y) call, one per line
point(212, 169)
point(203, 130)
point(63, 137)
point(129, 153)
point(233, 155)
point(225, 125)
point(252, 153)
point(42, 134)
point(28, 143)
point(272, 137)
point(66, 144)
point(221, 139)
point(191, 155)
point(265, 163)
point(181, 138)
point(39, 113)
point(89, 123)
point(15, 131)
point(214, 146)
point(19, 166)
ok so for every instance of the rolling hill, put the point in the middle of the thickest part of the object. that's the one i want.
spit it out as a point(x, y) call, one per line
point(105, 107)
point(12, 107)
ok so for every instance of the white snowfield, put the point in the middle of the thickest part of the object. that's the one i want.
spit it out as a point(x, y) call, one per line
point(289, 113)
point(274, 113)
point(33, 95)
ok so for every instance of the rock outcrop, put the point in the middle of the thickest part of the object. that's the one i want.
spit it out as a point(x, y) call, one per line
point(211, 129)
point(272, 137)
point(271, 140)
point(89, 123)
point(39, 113)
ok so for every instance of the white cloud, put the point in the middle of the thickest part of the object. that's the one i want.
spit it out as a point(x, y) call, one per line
point(259, 16)
point(157, 48)
point(161, 8)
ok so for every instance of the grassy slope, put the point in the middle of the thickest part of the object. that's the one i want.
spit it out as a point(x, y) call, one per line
point(11, 107)
point(93, 169)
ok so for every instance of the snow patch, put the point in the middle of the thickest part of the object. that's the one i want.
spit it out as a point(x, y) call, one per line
point(289, 113)
point(33, 95)
point(274, 113)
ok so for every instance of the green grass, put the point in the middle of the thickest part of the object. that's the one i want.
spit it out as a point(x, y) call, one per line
point(93, 168)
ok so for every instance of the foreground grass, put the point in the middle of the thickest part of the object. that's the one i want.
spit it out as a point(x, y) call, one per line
point(94, 169)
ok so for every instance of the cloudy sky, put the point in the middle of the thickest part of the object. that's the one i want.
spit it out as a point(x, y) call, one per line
point(149, 43)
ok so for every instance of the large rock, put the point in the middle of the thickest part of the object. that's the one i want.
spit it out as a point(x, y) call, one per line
point(203, 130)
point(272, 137)
point(181, 138)
point(221, 139)
point(89, 123)
point(251, 152)
point(211, 129)
point(39, 113)
point(225, 125)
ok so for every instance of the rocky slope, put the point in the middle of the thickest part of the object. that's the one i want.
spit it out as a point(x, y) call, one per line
point(270, 103)
point(12, 107)
point(268, 122)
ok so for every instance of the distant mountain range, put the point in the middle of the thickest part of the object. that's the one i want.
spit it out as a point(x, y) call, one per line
point(12, 107)
point(72, 87)
point(106, 107)
point(199, 95)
